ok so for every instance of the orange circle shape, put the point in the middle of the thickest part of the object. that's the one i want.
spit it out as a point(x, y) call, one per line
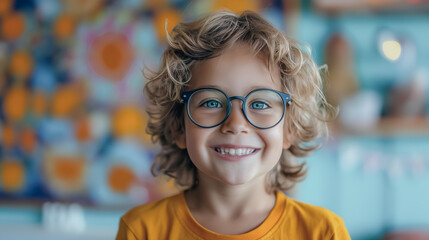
point(12, 175)
point(5, 6)
point(13, 26)
point(15, 103)
point(170, 17)
point(66, 100)
point(127, 121)
point(83, 8)
point(69, 169)
point(111, 56)
point(21, 64)
point(8, 136)
point(236, 6)
point(121, 178)
point(28, 140)
point(64, 26)
point(82, 129)
point(39, 103)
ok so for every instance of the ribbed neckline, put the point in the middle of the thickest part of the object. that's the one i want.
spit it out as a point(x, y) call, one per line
point(185, 216)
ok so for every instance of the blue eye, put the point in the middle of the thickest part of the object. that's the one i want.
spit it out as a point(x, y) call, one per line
point(258, 105)
point(212, 104)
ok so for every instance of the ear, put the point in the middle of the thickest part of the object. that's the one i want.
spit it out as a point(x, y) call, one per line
point(181, 141)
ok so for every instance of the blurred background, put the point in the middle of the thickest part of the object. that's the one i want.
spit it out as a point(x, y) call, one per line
point(74, 155)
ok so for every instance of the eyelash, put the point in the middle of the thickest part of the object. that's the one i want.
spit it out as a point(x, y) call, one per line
point(259, 102)
point(205, 103)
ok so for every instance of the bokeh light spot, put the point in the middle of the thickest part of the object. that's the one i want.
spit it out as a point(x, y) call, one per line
point(392, 50)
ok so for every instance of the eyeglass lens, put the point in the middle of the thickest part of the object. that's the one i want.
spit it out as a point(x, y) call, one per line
point(209, 107)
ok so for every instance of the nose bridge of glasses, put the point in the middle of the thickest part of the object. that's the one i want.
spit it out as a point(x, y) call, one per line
point(243, 100)
point(232, 119)
point(238, 98)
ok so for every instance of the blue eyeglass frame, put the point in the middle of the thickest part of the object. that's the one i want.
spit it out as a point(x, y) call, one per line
point(187, 95)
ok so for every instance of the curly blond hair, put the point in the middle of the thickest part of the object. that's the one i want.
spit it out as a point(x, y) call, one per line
point(206, 38)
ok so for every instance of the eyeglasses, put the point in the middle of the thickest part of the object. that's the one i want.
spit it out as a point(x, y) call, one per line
point(210, 107)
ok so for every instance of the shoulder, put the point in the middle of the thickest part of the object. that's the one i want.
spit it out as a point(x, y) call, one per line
point(141, 220)
point(316, 220)
point(316, 213)
point(150, 210)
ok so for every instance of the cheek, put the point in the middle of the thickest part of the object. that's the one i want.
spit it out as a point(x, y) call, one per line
point(274, 148)
point(196, 139)
point(189, 135)
point(275, 140)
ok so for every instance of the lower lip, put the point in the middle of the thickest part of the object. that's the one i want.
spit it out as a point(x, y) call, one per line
point(234, 158)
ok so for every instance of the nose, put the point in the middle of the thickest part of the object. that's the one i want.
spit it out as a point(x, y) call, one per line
point(236, 122)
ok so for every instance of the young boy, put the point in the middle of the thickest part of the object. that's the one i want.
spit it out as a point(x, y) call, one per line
point(232, 104)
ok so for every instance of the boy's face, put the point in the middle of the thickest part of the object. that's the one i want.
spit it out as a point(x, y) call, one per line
point(236, 72)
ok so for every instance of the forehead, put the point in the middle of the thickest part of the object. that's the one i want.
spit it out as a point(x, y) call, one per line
point(236, 71)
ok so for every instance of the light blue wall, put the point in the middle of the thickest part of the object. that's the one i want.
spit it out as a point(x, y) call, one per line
point(371, 199)
point(376, 184)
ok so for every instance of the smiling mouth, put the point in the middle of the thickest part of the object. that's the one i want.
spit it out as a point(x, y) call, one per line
point(235, 151)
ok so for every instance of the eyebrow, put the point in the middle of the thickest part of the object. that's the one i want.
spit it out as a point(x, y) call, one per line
point(218, 87)
point(226, 90)
point(210, 86)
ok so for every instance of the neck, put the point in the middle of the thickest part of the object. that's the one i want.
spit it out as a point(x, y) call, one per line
point(230, 201)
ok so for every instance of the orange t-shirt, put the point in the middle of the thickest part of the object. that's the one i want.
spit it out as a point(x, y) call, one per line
point(170, 219)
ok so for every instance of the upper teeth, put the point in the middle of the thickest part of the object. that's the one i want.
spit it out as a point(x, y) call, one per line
point(235, 151)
